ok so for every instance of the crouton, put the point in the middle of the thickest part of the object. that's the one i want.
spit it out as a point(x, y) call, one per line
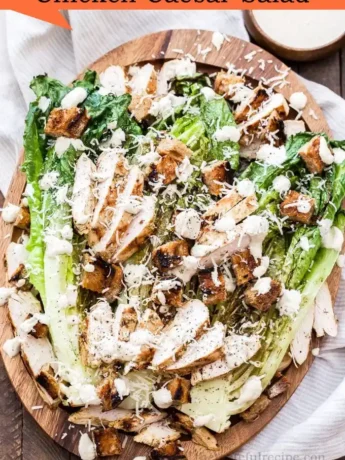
point(251, 104)
point(169, 255)
point(140, 106)
point(263, 302)
point(172, 296)
point(67, 122)
point(164, 170)
point(39, 330)
point(105, 279)
point(108, 394)
point(23, 218)
point(215, 175)
point(279, 387)
point(252, 414)
point(225, 83)
point(212, 292)
point(298, 207)
point(151, 322)
point(175, 148)
point(310, 154)
point(243, 265)
point(180, 390)
point(107, 442)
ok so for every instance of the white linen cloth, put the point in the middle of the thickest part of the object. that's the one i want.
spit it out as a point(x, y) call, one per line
point(313, 421)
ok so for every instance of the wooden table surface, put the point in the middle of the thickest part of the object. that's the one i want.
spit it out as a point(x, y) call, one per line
point(20, 436)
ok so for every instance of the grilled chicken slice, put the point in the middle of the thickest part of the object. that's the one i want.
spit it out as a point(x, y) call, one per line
point(274, 130)
point(37, 353)
point(215, 175)
point(141, 227)
point(109, 394)
point(240, 211)
point(67, 122)
point(113, 81)
point(253, 413)
point(200, 435)
point(179, 389)
point(126, 320)
point(175, 148)
point(223, 205)
point(238, 349)
point(143, 85)
point(120, 217)
point(151, 322)
point(168, 290)
point(121, 419)
point(276, 103)
point(169, 255)
point(167, 450)
point(213, 291)
point(163, 172)
point(157, 434)
point(16, 258)
point(23, 218)
point(316, 154)
point(279, 387)
point(189, 323)
point(107, 442)
point(83, 198)
point(298, 207)
point(207, 349)
point(104, 279)
point(227, 84)
point(262, 300)
point(251, 104)
point(324, 319)
point(293, 127)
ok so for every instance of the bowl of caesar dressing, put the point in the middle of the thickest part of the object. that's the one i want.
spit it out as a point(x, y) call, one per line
point(297, 35)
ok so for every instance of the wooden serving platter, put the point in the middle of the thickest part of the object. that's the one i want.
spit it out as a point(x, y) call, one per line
point(156, 48)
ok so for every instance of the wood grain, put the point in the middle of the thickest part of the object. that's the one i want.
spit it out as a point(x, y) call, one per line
point(150, 48)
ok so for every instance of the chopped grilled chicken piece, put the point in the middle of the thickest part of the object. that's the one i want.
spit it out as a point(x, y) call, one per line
point(23, 218)
point(39, 330)
point(279, 387)
point(243, 265)
point(175, 148)
point(215, 176)
point(169, 449)
point(141, 227)
point(274, 129)
point(254, 411)
point(126, 320)
point(67, 122)
point(263, 302)
point(38, 353)
point(104, 279)
point(151, 322)
point(276, 103)
point(298, 207)
point(143, 85)
point(213, 290)
point(172, 296)
point(99, 327)
point(112, 170)
point(188, 324)
point(157, 434)
point(216, 247)
point(169, 255)
point(164, 172)
point(121, 419)
point(200, 435)
point(251, 104)
point(226, 83)
point(293, 127)
point(108, 394)
point(48, 385)
point(316, 154)
point(224, 205)
point(16, 258)
point(120, 217)
point(107, 442)
point(179, 389)
point(207, 349)
point(83, 198)
point(113, 81)
point(238, 349)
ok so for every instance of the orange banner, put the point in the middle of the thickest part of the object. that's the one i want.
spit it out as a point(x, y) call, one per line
point(49, 10)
